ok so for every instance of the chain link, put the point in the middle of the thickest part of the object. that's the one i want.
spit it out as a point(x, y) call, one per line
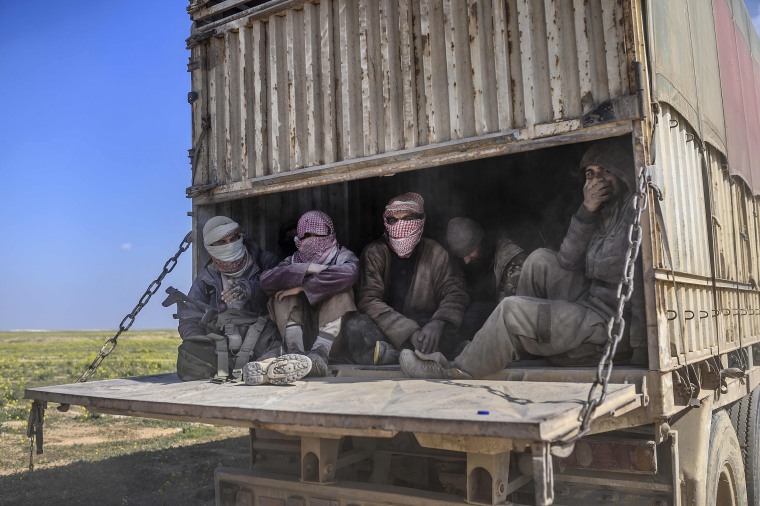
point(616, 324)
point(128, 320)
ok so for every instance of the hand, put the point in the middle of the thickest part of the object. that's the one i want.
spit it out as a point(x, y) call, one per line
point(416, 341)
point(237, 292)
point(430, 336)
point(315, 268)
point(287, 293)
point(595, 193)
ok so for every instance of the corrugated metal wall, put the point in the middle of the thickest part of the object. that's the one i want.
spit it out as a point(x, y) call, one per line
point(336, 80)
point(697, 320)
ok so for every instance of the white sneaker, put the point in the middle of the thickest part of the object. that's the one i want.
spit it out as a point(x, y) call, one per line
point(282, 370)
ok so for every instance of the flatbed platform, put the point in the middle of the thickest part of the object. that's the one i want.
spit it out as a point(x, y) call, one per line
point(343, 406)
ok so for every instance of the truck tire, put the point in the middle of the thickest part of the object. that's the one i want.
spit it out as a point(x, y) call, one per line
point(726, 485)
point(745, 415)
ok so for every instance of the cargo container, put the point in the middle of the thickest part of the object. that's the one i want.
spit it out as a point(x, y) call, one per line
point(485, 107)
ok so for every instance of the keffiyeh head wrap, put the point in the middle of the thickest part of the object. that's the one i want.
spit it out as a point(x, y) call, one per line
point(322, 246)
point(404, 235)
point(231, 258)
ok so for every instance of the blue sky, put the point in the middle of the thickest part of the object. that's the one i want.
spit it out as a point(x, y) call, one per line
point(753, 6)
point(93, 159)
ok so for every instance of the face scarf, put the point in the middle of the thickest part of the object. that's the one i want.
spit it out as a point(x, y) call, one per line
point(322, 246)
point(231, 258)
point(404, 235)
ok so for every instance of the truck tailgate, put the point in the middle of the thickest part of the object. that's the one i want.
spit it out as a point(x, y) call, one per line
point(537, 411)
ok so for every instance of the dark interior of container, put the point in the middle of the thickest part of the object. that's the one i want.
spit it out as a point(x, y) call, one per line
point(530, 196)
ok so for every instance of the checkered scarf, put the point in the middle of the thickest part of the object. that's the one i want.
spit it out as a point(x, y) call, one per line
point(322, 246)
point(404, 235)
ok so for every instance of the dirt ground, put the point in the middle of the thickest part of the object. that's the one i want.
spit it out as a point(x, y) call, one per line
point(153, 462)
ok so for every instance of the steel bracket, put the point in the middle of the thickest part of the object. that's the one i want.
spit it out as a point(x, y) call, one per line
point(319, 459)
point(487, 478)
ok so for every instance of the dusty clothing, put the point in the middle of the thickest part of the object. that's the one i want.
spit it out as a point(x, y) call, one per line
point(208, 286)
point(197, 357)
point(496, 275)
point(340, 275)
point(434, 291)
point(488, 280)
point(564, 299)
point(327, 295)
point(550, 316)
point(297, 309)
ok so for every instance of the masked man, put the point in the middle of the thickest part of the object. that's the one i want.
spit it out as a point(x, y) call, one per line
point(226, 303)
point(489, 266)
point(312, 290)
point(408, 296)
point(564, 299)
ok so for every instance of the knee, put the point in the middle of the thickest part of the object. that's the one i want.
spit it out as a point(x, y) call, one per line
point(540, 258)
point(360, 331)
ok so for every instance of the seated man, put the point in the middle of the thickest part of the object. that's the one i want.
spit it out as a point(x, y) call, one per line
point(226, 303)
point(312, 290)
point(407, 294)
point(564, 299)
point(489, 266)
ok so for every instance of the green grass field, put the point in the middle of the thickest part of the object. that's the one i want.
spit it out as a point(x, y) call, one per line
point(101, 459)
point(30, 359)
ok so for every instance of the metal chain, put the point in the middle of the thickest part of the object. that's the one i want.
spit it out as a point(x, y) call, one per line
point(616, 324)
point(128, 320)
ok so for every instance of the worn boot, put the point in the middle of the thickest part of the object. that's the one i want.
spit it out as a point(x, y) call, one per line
point(318, 364)
point(277, 371)
point(319, 354)
point(385, 354)
point(416, 364)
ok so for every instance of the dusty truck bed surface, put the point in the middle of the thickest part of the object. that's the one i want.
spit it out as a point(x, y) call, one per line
point(526, 410)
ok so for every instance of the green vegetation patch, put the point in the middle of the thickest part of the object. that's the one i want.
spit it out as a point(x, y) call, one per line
point(31, 359)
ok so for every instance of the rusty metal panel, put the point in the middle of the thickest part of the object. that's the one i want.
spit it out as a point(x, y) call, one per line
point(697, 314)
point(296, 85)
point(701, 312)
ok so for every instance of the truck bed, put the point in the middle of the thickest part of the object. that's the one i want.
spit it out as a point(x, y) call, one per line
point(338, 406)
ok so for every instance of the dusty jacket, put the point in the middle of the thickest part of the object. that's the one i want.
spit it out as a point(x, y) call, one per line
point(207, 288)
point(505, 260)
point(434, 290)
point(338, 277)
point(597, 243)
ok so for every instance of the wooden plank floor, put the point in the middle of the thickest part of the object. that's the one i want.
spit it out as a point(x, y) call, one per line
point(351, 406)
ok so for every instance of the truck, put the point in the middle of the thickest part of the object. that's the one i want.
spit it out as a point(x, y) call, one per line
point(484, 107)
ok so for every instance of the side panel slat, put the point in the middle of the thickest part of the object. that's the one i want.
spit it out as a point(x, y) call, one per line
point(342, 80)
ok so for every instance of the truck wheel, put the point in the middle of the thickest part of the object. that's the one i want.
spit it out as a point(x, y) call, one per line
point(745, 415)
point(726, 485)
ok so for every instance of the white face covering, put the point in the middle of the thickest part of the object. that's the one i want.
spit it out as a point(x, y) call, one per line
point(227, 252)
